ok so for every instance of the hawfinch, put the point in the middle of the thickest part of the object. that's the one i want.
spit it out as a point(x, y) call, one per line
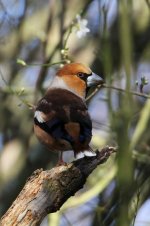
point(61, 119)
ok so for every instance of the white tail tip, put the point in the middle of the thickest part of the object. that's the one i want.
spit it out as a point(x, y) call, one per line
point(87, 153)
point(80, 155)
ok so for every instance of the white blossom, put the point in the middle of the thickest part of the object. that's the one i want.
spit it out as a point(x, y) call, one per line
point(81, 27)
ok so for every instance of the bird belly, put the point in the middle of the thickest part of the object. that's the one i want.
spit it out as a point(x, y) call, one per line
point(50, 142)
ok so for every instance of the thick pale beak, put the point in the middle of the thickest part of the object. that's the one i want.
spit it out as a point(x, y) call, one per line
point(94, 79)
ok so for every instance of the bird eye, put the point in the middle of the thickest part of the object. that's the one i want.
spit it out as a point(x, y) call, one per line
point(81, 75)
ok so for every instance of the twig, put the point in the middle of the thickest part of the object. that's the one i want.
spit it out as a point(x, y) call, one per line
point(117, 89)
point(136, 205)
point(126, 91)
point(40, 64)
point(16, 93)
point(67, 37)
point(94, 92)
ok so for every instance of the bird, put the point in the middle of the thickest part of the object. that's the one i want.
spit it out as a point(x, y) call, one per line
point(61, 118)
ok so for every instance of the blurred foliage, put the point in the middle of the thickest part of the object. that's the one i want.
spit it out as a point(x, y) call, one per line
point(42, 35)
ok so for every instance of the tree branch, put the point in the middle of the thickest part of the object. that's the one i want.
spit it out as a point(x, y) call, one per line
point(46, 191)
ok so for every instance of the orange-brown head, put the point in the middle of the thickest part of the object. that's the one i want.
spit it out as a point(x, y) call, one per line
point(75, 77)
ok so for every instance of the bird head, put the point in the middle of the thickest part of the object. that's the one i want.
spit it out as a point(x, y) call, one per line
point(76, 77)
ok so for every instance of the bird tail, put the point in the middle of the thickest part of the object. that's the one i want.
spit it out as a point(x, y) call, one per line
point(85, 153)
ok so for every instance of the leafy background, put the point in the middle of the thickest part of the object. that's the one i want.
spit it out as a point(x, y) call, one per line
point(117, 48)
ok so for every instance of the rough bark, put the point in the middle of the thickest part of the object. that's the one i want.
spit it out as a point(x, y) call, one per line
point(46, 191)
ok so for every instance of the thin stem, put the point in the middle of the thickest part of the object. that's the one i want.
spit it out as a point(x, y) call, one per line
point(94, 92)
point(13, 92)
point(67, 38)
point(136, 207)
point(25, 102)
point(117, 89)
point(126, 91)
point(44, 65)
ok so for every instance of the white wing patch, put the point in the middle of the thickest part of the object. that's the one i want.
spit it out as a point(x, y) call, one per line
point(38, 116)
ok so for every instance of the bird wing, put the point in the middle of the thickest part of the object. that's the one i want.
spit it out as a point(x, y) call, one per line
point(65, 116)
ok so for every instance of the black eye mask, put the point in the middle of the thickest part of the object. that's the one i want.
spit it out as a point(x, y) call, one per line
point(83, 76)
